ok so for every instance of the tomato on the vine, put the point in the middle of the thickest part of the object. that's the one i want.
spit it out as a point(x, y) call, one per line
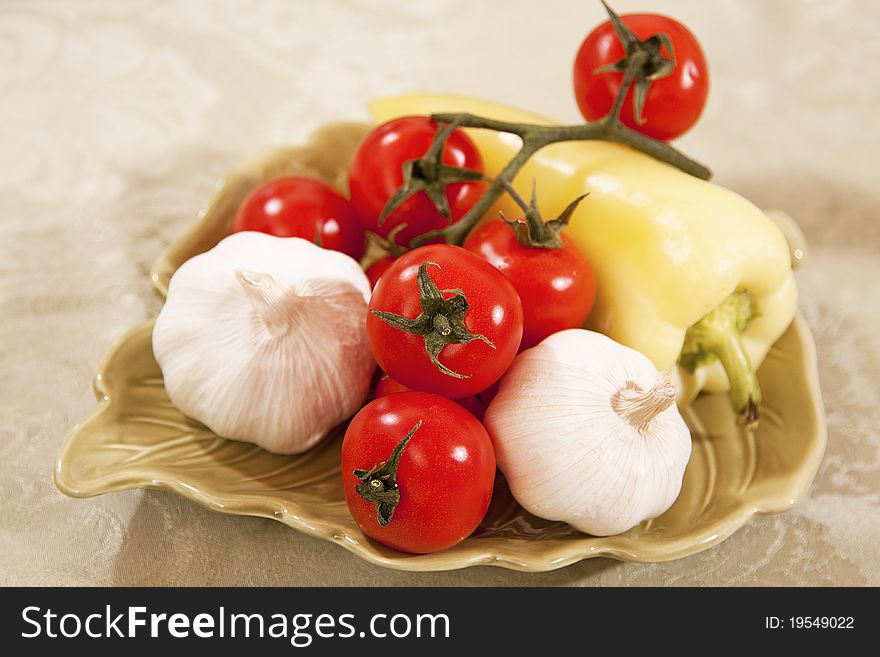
point(418, 471)
point(376, 173)
point(388, 386)
point(296, 206)
point(445, 321)
point(557, 286)
point(674, 102)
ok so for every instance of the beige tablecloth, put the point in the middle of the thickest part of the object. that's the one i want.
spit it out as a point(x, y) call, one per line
point(117, 118)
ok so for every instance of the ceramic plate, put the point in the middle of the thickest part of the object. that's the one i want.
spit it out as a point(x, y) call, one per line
point(137, 439)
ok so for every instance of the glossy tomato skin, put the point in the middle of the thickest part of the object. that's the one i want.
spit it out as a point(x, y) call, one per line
point(375, 174)
point(472, 405)
point(445, 475)
point(557, 287)
point(296, 206)
point(388, 386)
point(494, 311)
point(375, 271)
point(674, 102)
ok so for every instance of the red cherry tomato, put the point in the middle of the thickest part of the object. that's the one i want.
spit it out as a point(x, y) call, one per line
point(376, 173)
point(404, 328)
point(472, 405)
point(303, 207)
point(674, 102)
point(445, 473)
point(388, 386)
point(375, 271)
point(557, 287)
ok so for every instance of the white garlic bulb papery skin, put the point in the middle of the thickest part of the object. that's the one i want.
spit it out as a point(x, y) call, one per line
point(586, 431)
point(263, 339)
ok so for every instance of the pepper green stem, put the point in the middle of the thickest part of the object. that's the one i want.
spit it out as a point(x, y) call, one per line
point(719, 335)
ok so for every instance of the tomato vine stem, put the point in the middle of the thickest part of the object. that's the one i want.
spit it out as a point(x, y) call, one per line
point(440, 323)
point(536, 137)
point(643, 64)
point(533, 231)
point(378, 485)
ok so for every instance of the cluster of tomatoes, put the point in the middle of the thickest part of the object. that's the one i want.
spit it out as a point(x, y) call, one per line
point(446, 322)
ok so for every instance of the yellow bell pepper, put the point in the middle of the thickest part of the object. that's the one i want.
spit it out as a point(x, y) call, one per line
point(671, 252)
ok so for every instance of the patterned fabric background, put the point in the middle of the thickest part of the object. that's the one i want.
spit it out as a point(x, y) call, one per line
point(117, 118)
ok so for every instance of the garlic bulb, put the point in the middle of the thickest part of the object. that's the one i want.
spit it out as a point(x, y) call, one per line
point(263, 339)
point(587, 431)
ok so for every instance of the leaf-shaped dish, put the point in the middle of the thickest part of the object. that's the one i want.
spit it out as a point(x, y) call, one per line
point(138, 439)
